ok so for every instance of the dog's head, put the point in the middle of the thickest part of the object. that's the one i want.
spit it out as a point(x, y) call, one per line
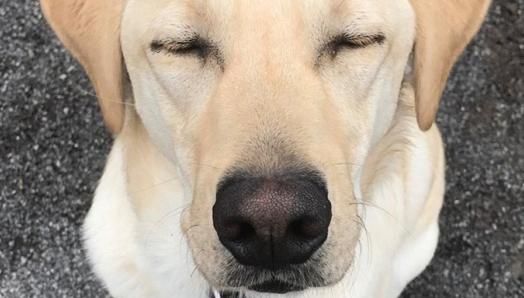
point(268, 109)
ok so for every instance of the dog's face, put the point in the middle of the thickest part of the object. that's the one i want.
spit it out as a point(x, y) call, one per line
point(267, 110)
point(265, 105)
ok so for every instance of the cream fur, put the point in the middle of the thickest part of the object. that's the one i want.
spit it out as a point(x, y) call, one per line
point(272, 92)
point(148, 257)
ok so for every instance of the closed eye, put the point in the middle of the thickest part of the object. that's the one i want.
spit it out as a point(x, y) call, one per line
point(352, 41)
point(193, 46)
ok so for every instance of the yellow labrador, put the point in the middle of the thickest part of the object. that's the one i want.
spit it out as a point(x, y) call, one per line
point(266, 147)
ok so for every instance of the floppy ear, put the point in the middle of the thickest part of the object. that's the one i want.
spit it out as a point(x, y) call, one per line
point(90, 29)
point(444, 28)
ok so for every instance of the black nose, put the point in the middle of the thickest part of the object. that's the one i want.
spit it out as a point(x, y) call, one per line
point(271, 223)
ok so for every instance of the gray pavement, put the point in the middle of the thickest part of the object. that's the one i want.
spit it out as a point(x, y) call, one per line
point(53, 148)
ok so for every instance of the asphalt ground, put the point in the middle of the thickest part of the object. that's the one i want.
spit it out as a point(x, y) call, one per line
point(53, 148)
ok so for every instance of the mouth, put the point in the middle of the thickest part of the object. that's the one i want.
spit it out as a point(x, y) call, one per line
point(294, 278)
point(271, 286)
point(276, 286)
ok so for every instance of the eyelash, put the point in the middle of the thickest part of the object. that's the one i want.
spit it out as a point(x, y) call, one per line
point(201, 48)
point(345, 41)
point(195, 46)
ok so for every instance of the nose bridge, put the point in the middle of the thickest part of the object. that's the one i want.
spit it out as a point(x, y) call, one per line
point(275, 91)
point(270, 102)
point(266, 73)
point(273, 115)
point(259, 120)
point(265, 108)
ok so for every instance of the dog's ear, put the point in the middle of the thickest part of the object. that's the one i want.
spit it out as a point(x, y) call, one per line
point(90, 29)
point(444, 28)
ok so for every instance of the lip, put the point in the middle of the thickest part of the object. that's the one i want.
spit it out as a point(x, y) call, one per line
point(276, 286)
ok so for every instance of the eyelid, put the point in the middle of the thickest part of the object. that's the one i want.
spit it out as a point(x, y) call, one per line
point(191, 45)
point(353, 41)
point(181, 46)
point(362, 40)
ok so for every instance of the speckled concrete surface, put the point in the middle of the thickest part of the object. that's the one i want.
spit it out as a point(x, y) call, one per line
point(53, 148)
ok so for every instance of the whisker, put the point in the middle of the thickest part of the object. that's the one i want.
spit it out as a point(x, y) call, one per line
point(161, 220)
point(372, 205)
point(344, 164)
point(368, 239)
point(207, 165)
point(154, 185)
point(369, 204)
point(194, 270)
point(191, 227)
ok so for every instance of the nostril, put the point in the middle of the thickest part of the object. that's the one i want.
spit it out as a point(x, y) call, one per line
point(237, 230)
point(306, 227)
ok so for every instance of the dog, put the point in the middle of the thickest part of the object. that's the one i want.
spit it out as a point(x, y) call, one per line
point(266, 148)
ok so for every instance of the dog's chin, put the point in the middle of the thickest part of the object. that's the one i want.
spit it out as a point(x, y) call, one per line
point(316, 272)
point(295, 278)
point(276, 286)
